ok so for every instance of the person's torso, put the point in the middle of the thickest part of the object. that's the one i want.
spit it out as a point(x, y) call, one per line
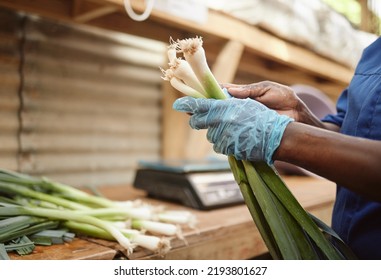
point(356, 219)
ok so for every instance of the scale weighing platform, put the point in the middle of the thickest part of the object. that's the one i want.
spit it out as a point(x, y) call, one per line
point(198, 184)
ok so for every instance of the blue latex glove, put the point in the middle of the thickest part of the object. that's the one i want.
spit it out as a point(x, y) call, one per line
point(244, 128)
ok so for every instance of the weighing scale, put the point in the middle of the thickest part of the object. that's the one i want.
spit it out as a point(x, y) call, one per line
point(198, 184)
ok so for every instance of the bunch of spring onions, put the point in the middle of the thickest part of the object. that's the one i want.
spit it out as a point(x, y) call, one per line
point(288, 231)
point(29, 204)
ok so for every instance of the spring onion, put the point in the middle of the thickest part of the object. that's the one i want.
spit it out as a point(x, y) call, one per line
point(159, 245)
point(68, 215)
point(14, 227)
point(288, 231)
point(156, 227)
point(13, 189)
point(177, 217)
point(3, 252)
point(22, 245)
point(49, 186)
point(29, 206)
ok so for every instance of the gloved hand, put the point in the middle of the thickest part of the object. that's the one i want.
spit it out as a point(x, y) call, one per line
point(244, 128)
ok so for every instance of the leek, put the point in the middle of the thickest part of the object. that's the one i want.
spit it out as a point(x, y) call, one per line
point(30, 205)
point(12, 189)
point(156, 227)
point(48, 186)
point(67, 215)
point(288, 231)
point(3, 252)
point(22, 245)
point(23, 225)
point(156, 244)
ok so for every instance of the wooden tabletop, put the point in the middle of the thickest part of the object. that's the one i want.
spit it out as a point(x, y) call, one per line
point(226, 233)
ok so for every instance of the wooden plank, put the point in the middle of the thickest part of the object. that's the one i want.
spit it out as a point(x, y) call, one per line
point(229, 232)
point(78, 249)
point(225, 233)
point(84, 11)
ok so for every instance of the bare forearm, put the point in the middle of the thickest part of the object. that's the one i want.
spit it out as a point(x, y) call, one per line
point(349, 161)
point(307, 117)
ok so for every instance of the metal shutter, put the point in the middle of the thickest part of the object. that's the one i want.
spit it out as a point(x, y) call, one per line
point(91, 103)
point(9, 88)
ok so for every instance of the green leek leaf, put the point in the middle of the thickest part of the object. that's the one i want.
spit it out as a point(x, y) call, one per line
point(279, 188)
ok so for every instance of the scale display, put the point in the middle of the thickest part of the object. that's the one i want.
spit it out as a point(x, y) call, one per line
point(201, 185)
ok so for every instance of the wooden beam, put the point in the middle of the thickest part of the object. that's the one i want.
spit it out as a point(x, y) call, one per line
point(227, 62)
point(55, 9)
point(263, 70)
point(254, 68)
point(84, 11)
point(148, 29)
point(175, 126)
point(254, 39)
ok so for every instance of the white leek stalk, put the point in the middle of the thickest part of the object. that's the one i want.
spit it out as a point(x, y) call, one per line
point(153, 243)
point(155, 227)
point(178, 217)
point(178, 84)
point(194, 54)
point(160, 245)
point(182, 70)
point(124, 213)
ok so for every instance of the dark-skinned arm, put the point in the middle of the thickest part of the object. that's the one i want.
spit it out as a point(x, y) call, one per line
point(349, 161)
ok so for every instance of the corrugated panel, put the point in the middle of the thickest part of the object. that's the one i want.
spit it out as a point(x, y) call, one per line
point(91, 104)
point(9, 87)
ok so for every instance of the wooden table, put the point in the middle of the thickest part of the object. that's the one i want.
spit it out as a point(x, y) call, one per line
point(226, 233)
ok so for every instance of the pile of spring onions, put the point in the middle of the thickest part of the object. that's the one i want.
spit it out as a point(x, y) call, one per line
point(29, 205)
point(288, 231)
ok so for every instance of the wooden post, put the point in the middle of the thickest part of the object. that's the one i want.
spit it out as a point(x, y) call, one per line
point(84, 11)
point(175, 126)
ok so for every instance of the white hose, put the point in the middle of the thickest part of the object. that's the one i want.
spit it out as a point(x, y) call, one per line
point(131, 13)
